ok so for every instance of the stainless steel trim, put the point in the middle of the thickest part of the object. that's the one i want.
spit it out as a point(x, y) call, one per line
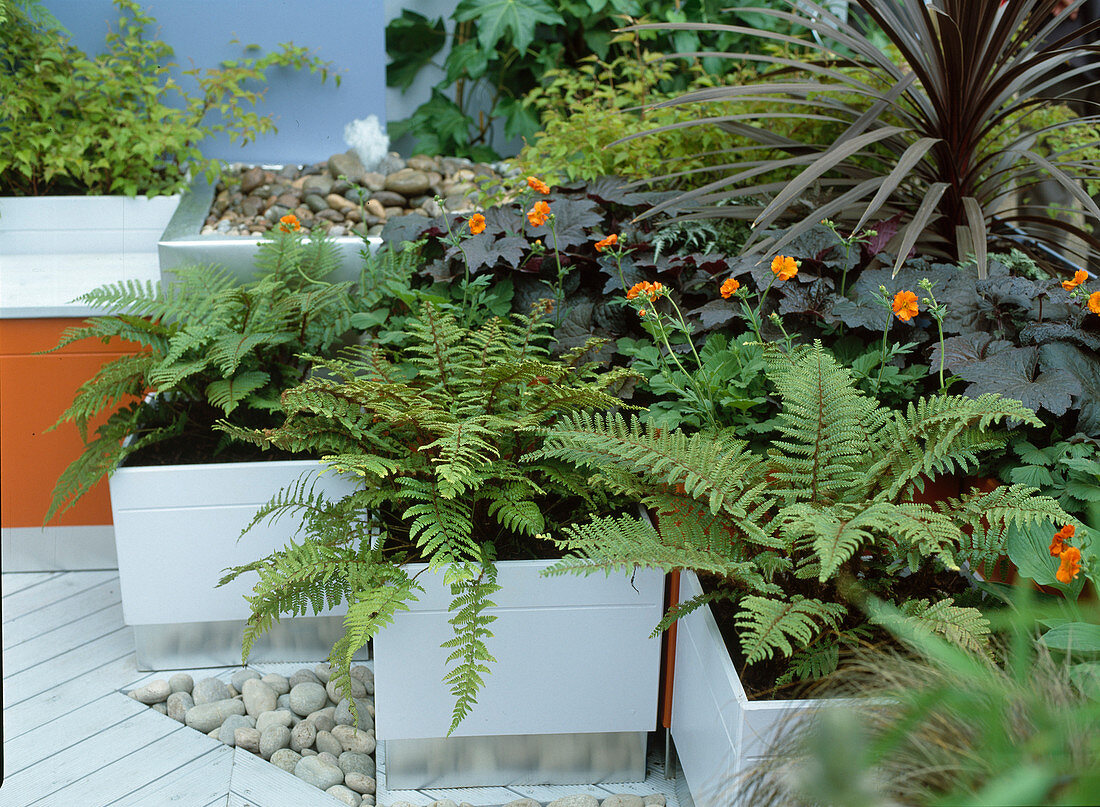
point(530, 759)
point(58, 549)
point(186, 645)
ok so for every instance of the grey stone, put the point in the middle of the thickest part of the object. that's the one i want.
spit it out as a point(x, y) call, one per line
point(252, 206)
point(316, 204)
point(181, 682)
point(361, 673)
point(336, 230)
point(240, 676)
point(348, 165)
point(444, 803)
point(326, 742)
point(276, 212)
point(160, 707)
point(318, 773)
point(373, 181)
point(287, 200)
point(523, 803)
point(319, 184)
point(258, 697)
point(303, 675)
point(252, 179)
point(303, 736)
point(153, 692)
point(323, 719)
point(277, 682)
point(248, 739)
point(575, 800)
point(408, 182)
point(389, 199)
point(368, 801)
point(272, 739)
point(331, 215)
point(309, 752)
point(346, 795)
point(344, 717)
point(230, 725)
point(354, 740)
point(280, 717)
point(323, 672)
point(389, 164)
point(422, 162)
point(205, 717)
point(327, 757)
point(360, 782)
point(654, 800)
point(306, 698)
point(283, 702)
point(338, 202)
point(285, 759)
point(351, 762)
point(623, 800)
point(178, 704)
point(337, 693)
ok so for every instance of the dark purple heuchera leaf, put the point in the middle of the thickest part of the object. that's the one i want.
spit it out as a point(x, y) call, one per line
point(1040, 333)
point(711, 263)
point(483, 251)
point(615, 190)
point(960, 351)
point(814, 299)
point(1084, 367)
point(410, 228)
point(1014, 373)
point(716, 313)
point(884, 231)
point(572, 218)
point(632, 274)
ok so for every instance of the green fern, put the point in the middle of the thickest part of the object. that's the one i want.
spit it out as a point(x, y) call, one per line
point(768, 626)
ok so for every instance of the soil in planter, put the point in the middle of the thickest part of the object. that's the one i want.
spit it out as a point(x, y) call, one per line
point(759, 679)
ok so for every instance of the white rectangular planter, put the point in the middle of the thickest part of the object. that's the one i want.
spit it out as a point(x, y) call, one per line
point(574, 685)
point(717, 730)
point(176, 530)
point(55, 248)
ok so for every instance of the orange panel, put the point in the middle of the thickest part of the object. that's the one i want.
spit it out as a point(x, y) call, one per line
point(34, 391)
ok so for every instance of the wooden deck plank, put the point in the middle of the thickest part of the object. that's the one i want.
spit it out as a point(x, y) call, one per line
point(93, 684)
point(68, 730)
point(547, 793)
point(267, 785)
point(38, 621)
point(477, 796)
point(67, 666)
point(194, 784)
point(136, 767)
point(52, 592)
point(45, 646)
point(43, 780)
point(17, 581)
point(414, 797)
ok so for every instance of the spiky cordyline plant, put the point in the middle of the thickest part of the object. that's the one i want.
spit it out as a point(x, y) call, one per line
point(926, 139)
point(798, 538)
point(439, 439)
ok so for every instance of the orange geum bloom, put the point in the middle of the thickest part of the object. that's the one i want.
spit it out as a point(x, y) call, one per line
point(1058, 544)
point(729, 287)
point(1079, 277)
point(477, 223)
point(610, 241)
point(289, 223)
point(1094, 302)
point(538, 185)
point(650, 290)
point(1070, 565)
point(538, 214)
point(784, 267)
point(905, 305)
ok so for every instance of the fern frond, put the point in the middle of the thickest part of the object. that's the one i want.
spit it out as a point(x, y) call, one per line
point(228, 393)
point(113, 383)
point(470, 620)
point(767, 626)
point(682, 609)
point(440, 527)
point(966, 627)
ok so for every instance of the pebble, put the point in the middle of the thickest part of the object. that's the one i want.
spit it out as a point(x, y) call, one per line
point(283, 702)
point(368, 801)
point(285, 759)
point(389, 199)
point(323, 672)
point(354, 740)
point(623, 800)
point(307, 697)
point(240, 676)
point(362, 673)
point(272, 739)
point(337, 693)
point(575, 800)
point(230, 726)
point(323, 719)
point(351, 762)
point(160, 707)
point(258, 697)
point(318, 773)
point(209, 690)
point(326, 742)
point(280, 717)
point(181, 682)
point(344, 716)
point(361, 783)
point(278, 683)
point(444, 803)
point(346, 795)
point(338, 202)
point(654, 800)
point(320, 184)
point(523, 803)
point(302, 736)
point(178, 704)
point(309, 752)
point(301, 677)
point(153, 692)
point(252, 179)
point(205, 717)
point(347, 164)
point(247, 739)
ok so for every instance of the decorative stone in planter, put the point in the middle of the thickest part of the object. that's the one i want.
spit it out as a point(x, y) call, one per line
point(570, 699)
point(718, 731)
point(176, 529)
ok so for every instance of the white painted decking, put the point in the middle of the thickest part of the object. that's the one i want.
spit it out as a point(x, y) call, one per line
point(72, 738)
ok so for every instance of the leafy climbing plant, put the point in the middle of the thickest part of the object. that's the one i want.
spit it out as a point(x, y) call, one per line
point(798, 538)
point(438, 435)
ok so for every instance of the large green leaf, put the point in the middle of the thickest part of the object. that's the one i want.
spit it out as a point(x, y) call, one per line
point(1029, 549)
point(515, 18)
point(1082, 637)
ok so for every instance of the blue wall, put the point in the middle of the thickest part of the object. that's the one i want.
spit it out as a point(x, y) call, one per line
point(310, 116)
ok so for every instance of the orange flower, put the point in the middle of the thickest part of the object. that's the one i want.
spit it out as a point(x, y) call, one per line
point(1070, 566)
point(538, 185)
point(538, 214)
point(1060, 537)
point(1079, 277)
point(289, 223)
point(641, 312)
point(1094, 302)
point(610, 241)
point(477, 223)
point(729, 288)
point(905, 305)
point(784, 267)
point(650, 290)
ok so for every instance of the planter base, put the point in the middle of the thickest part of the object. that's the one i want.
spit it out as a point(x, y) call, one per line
point(178, 646)
point(524, 759)
point(58, 549)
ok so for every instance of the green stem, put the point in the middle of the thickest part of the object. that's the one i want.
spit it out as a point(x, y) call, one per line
point(882, 358)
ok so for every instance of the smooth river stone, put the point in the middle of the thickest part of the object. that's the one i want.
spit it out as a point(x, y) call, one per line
point(247, 739)
point(240, 676)
point(258, 697)
point(280, 717)
point(181, 682)
point(278, 683)
point(323, 672)
point(327, 742)
point(336, 693)
point(153, 692)
point(307, 697)
point(361, 783)
point(210, 690)
point(285, 759)
point(318, 773)
point(344, 717)
point(575, 800)
point(301, 677)
point(344, 794)
point(206, 717)
point(178, 704)
point(623, 800)
point(302, 736)
point(272, 739)
point(354, 740)
point(230, 726)
point(350, 762)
